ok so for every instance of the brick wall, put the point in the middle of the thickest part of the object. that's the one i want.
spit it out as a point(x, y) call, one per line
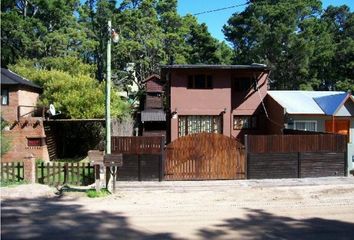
point(9, 112)
point(18, 134)
point(27, 98)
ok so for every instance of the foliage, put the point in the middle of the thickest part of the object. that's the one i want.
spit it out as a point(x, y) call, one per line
point(92, 193)
point(4, 141)
point(11, 183)
point(305, 48)
point(75, 95)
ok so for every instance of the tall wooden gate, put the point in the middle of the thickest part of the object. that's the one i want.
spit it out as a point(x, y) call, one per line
point(204, 156)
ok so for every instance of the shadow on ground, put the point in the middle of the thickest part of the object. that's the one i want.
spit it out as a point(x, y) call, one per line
point(53, 219)
point(259, 224)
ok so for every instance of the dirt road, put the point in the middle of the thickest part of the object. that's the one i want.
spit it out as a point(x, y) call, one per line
point(268, 209)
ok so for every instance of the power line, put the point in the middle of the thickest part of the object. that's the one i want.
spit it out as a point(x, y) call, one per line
point(221, 9)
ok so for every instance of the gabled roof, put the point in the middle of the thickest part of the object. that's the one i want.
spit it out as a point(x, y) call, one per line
point(254, 66)
point(330, 104)
point(310, 102)
point(10, 78)
point(151, 77)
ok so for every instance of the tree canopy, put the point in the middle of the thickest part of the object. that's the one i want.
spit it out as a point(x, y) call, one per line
point(70, 88)
point(305, 46)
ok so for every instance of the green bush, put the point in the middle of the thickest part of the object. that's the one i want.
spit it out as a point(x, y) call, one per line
point(92, 193)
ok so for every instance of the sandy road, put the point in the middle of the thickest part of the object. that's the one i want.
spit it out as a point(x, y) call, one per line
point(268, 209)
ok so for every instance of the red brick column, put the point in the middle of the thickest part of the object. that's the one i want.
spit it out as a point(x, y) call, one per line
point(29, 169)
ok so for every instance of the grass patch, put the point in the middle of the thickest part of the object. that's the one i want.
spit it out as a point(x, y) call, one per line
point(72, 160)
point(11, 183)
point(92, 193)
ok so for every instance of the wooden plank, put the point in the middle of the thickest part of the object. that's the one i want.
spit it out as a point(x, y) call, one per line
point(204, 156)
point(296, 143)
point(322, 164)
point(272, 165)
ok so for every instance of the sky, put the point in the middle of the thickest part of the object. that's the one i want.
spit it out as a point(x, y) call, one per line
point(216, 20)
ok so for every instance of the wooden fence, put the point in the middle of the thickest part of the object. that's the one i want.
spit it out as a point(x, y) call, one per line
point(138, 145)
point(142, 157)
point(56, 173)
point(295, 156)
point(12, 171)
point(204, 156)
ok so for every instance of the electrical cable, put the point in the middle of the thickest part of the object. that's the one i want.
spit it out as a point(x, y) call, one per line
point(221, 9)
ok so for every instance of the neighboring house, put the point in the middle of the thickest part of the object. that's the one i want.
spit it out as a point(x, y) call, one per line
point(320, 111)
point(225, 99)
point(153, 117)
point(25, 128)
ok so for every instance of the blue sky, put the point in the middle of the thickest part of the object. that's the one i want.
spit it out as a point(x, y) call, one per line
point(216, 20)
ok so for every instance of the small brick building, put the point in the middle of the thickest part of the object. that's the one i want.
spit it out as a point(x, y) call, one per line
point(25, 129)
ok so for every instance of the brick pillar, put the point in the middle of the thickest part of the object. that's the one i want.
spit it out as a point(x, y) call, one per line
point(29, 169)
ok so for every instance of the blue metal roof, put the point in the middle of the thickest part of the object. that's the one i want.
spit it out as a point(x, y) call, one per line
point(329, 104)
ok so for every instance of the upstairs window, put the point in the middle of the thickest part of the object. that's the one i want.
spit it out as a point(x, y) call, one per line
point(200, 81)
point(4, 96)
point(244, 84)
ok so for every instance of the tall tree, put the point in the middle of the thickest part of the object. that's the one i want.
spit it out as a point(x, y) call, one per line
point(263, 33)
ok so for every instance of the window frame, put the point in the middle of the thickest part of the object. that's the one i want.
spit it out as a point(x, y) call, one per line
point(32, 144)
point(213, 118)
point(253, 119)
point(192, 81)
point(7, 96)
point(305, 121)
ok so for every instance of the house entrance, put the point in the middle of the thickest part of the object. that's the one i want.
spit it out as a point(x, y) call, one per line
point(204, 156)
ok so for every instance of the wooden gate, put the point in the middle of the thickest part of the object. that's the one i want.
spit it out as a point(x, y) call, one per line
point(205, 156)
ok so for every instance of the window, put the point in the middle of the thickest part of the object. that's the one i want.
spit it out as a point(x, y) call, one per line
point(245, 122)
point(196, 124)
point(4, 96)
point(200, 81)
point(34, 142)
point(244, 84)
point(305, 125)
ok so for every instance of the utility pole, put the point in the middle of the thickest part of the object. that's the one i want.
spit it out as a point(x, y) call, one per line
point(108, 90)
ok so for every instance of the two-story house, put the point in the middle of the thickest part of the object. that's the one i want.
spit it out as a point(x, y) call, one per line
point(24, 119)
point(225, 99)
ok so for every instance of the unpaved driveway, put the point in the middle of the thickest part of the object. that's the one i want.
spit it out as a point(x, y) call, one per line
point(268, 209)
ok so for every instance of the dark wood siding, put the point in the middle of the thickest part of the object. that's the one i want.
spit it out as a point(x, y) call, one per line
point(153, 102)
point(322, 164)
point(292, 156)
point(139, 168)
point(273, 165)
point(296, 143)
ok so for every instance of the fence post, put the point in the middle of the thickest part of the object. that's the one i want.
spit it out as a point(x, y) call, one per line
point(246, 156)
point(162, 159)
point(29, 169)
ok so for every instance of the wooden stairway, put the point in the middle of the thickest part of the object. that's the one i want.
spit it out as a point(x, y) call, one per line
point(50, 141)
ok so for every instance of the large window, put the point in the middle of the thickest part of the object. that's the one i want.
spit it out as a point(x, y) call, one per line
point(305, 125)
point(196, 124)
point(244, 84)
point(4, 96)
point(245, 122)
point(201, 81)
